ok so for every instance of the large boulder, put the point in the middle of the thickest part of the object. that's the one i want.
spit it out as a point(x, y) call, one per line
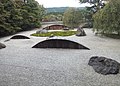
point(80, 32)
point(104, 65)
point(2, 46)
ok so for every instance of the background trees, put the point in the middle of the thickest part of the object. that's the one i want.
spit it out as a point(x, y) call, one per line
point(107, 20)
point(106, 17)
point(72, 17)
point(17, 15)
point(91, 10)
point(53, 16)
point(97, 4)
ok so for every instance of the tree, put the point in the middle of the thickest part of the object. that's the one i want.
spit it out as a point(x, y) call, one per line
point(72, 17)
point(17, 15)
point(53, 16)
point(97, 4)
point(107, 20)
point(7, 23)
point(32, 14)
point(91, 10)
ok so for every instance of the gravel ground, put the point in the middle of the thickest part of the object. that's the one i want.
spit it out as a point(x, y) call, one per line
point(21, 65)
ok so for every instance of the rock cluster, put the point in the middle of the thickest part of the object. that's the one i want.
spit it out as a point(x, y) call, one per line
point(104, 65)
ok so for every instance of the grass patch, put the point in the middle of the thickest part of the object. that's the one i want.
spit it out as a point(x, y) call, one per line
point(55, 33)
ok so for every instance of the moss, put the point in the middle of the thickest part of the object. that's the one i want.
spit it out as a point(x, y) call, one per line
point(55, 33)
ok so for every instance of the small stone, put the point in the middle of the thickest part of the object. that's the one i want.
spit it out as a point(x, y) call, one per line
point(2, 46)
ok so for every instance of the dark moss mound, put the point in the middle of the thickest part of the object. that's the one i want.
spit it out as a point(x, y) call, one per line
point(2, 46)
point(19, 37)
point(59, 43)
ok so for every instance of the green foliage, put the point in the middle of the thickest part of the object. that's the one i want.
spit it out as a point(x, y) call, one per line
point(16, 15)
point(55, 33)
point(96, 6)
point(87, 18)
point(72, 17)
point(91, 10)
point(107, 20)
point(92, 1)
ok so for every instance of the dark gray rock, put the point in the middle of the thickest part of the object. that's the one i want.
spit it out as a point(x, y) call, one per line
point(52, 35)
point(2, 46)
point(104, 65)
point(7, 40)
point(80, 32)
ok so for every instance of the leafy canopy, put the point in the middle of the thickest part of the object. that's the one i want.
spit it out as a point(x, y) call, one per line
point(107, 20)
point(72, 17)
point(18, 15)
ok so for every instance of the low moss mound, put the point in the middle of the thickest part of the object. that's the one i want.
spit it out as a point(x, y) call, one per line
point(19, 37)
point(59, 43)
point(55, 33)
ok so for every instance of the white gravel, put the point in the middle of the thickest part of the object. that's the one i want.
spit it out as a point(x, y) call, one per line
point(21, 65)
